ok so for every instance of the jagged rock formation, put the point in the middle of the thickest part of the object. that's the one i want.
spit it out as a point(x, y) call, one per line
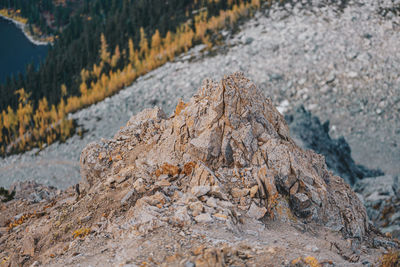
point(218, 183)
point(234, 141)
point(309, 133)
point(381, 197)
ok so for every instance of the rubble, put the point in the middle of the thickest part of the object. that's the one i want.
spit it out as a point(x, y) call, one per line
point(381, 197)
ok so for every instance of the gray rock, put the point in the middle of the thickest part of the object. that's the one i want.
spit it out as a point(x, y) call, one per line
point(199, 191)
point(203, 218)
point(381, 196)
point(127, 197)
point(331, 77)
point(300, 201)
point(256, 212)
point(189, 264)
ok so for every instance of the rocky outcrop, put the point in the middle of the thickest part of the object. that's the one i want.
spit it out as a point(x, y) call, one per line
point(229, 143)
point(309, 133)
point(218, 183)
point(381, 197)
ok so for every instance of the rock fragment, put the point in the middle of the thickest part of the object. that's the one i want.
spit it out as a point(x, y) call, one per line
point(256, 212)
point(203, 218)
point(199, 191)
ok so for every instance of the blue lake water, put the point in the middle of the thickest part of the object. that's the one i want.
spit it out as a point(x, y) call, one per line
point(16, 50)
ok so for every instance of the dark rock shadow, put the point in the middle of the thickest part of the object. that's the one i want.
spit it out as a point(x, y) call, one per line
point(309, 133)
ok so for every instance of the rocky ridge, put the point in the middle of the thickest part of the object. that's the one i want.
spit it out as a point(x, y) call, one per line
point(339, 61)
point(219, 182)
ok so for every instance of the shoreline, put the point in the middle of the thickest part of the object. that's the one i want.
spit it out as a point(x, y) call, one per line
point(21, 26)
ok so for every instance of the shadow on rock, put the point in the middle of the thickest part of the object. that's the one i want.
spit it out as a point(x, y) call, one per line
point(309, 133)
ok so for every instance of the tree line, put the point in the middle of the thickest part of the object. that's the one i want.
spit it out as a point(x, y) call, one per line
point(104, 51)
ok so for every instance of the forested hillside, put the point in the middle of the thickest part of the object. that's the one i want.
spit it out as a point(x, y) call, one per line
point(44, 17)
point(104, 47)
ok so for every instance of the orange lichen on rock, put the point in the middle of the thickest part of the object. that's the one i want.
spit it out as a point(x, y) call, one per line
point(102, 155)
point(167, 169)
point(188, 168)
point(20, 221)
point(4, 260)
point(308, 261)
point(391, 258)
point(179, 107)
point(81, 233)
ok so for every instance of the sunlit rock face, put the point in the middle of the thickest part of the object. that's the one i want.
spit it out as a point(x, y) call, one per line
point(228, 140)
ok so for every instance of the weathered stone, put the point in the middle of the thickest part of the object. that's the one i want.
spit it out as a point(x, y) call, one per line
point(300, 201)
point(32, 191)
point(196, 208)
point(127, 197)
point(181, 214)
point(139, 185)
point(221, 217)
point(28, 245)
point(211, 202)
point(256, 212)
point(253, 191)
point(155, 114)
point(85, 219)
point(199, 191)
point(94, 163)
point(3, 230)
point(238, 192)
point(110, 180)
point(293, 190)
point(381, 197)
point(203, 218)
point(216, 192)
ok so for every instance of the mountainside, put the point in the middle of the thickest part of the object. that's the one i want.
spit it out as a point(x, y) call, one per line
point(339, 60)
point(297, 54)
point(104, 47)
point(207, 186)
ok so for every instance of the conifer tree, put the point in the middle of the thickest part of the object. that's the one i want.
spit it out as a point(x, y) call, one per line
point(156, 41)
point(144, 46)
point(1, 129)
point(104, 53)
point(116, 57)
point(131, 51)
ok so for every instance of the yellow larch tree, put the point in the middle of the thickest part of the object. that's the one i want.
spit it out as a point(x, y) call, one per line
point(156, 41)
point(169, 50)
point(1, 130)
point(116, 57)
point(24, 115)
point(41, 118)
